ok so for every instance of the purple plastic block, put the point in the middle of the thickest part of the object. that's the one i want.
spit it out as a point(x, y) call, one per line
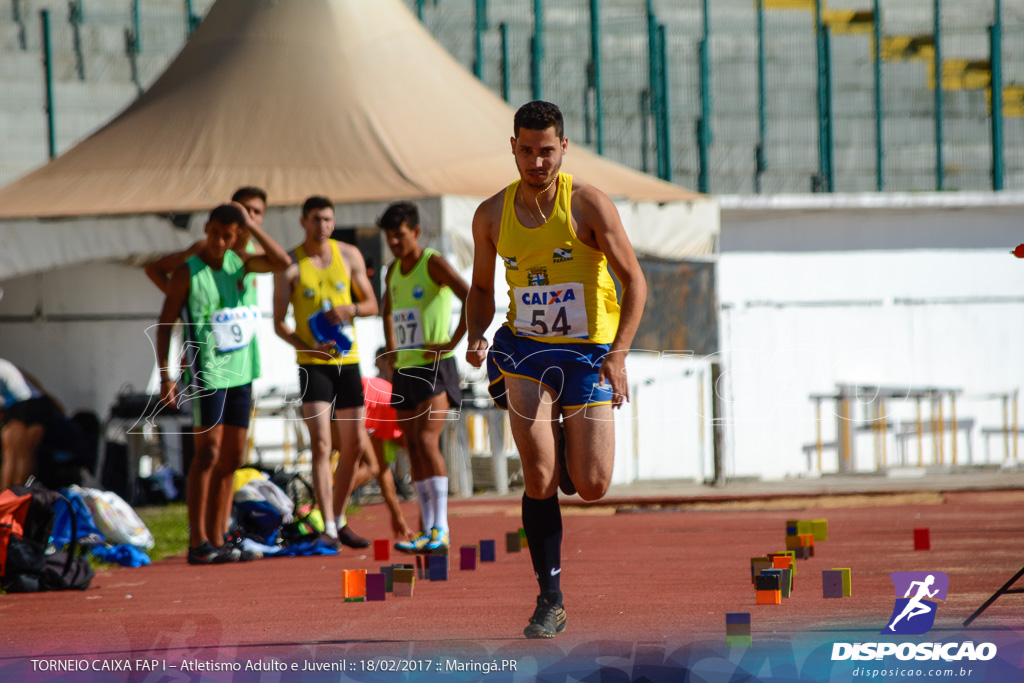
point(831, 583)
point(375, 586)
point(467, 557)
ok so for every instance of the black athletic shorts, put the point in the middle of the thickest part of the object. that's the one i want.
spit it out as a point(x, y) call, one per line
point(341, 385)
point(35, 411)
point(215, 407)
point(412, 385)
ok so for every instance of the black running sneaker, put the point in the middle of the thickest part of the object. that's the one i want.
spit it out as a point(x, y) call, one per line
point(234, 540)
point(547, 620)
point(205, 553)
point(564, 482)
point(350, 538)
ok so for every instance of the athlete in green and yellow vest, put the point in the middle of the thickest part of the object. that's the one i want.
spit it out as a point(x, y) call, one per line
point(560, 289)
point(418, 300)
point(223, 324)
point(316, 289)
point(421, 310)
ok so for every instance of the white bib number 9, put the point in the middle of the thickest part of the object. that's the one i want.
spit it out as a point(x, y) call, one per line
point(234, 328)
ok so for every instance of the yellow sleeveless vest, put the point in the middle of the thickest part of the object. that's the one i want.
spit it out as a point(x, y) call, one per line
point(560, 289)
point(330, 286)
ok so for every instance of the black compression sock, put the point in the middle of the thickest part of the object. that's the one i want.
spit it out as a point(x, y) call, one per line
point(542, 522)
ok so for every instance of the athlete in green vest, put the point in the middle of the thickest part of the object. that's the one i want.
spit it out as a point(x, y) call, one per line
point(425, 385)
point(254, 201)
point(209, 292)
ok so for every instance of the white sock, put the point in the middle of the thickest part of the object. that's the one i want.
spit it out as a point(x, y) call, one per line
point(331, 529)
point(340, 521)
point(439, 487)
point(424, 494)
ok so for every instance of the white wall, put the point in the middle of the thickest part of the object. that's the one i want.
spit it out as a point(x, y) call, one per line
point(664, 432)
point(88, 332)
point(81, 331)
point(908, 303)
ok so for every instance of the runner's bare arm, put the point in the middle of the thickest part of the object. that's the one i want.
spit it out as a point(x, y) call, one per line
point(601, 217)
point(366, 303)
point(389, 324)
point(177, 295)
point(444, 274)
point(284, 283)
point(480, 300)
point(159, 271)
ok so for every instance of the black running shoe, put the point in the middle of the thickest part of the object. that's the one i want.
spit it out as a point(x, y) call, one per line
point(564, 482)
point(350, 538)
point(205, 553)
point(547, 620)
point(234, 540)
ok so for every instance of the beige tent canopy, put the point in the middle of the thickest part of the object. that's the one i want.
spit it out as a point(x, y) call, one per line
point(348, 98)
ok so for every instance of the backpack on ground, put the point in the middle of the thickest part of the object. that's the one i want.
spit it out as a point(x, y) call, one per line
point(26, 521)
point(260, 506)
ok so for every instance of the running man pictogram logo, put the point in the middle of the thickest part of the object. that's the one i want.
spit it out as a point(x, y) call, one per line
point(914, 612)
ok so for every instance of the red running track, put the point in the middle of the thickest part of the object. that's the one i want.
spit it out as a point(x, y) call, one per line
point(631, 575)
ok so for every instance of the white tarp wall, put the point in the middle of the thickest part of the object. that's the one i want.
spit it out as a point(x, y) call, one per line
point(911, 291)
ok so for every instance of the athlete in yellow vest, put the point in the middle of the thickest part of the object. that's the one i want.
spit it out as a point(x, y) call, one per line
point(420, 343)
point(561, 352)
point(327, 286)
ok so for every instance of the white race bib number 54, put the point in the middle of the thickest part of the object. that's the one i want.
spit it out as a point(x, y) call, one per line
point(551, 310)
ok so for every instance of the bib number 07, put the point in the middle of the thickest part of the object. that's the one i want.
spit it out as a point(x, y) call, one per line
point(408, 325)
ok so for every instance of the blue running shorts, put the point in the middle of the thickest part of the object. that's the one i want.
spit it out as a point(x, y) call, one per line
point(570, 370)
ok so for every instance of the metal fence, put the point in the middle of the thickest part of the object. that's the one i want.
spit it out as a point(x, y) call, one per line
point(735, 96)
point(68, 66)
point(765, 95)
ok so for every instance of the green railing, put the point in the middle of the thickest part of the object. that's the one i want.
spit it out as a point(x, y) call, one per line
point(872, 111)
point(731, 96)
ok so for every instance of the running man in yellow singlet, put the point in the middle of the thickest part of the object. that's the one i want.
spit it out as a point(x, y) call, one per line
point(561, 354)
point(328, 277)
